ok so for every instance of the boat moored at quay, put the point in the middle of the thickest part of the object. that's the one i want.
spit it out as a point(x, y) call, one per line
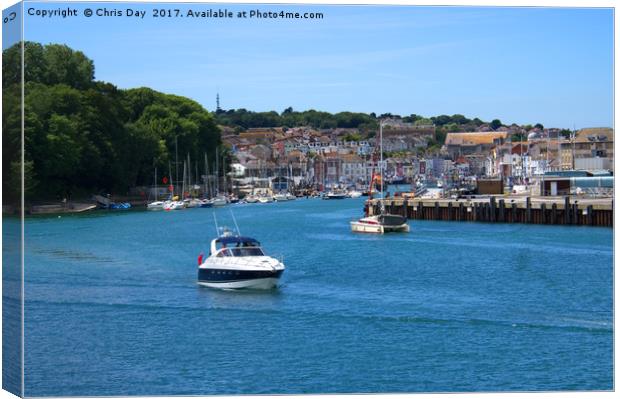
point(384, 222)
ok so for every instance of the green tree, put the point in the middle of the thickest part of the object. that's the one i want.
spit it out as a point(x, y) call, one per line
point(352, 137)
point(423, 122)
point(495, 124)
point(85, 135)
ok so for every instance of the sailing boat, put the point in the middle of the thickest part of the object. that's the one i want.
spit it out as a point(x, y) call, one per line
point(172, 204)
point(383, 222)
point(191, 201)
point(156, 205)
point(220, 198)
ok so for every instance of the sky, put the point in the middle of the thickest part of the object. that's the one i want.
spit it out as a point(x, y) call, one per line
point(521, 65)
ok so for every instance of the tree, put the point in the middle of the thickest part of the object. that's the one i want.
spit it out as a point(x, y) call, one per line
point(441, 120)
point(412, 118)
point(495, 124)
point(459, 119)
point(440, 136)
point(352, 137)
point(85, 135)
point(452, 127)
point(423, 122)
point(539, 126)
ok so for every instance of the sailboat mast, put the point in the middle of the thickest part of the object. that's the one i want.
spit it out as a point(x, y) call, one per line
point(224, 172)
point(206, 175)
point(176, 162)
point(189, 174)
point(171, 183)
point(217, 171)
point(183, 189)
point(381, 155)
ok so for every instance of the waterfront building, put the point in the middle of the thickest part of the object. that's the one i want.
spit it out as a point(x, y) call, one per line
point(472, 143)
point(353, 169)
point(589, 149)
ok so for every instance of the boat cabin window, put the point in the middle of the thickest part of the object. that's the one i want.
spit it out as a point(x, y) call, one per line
point(247, 251)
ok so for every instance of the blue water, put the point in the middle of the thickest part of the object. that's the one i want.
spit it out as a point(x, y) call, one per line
point(112, 306)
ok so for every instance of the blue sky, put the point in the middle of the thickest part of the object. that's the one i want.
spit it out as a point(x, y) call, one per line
point(522, 65)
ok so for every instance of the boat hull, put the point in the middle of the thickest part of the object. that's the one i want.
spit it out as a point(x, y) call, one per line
point(380, 224)
point(334, 196)
point(361, 227)
point(238, 279)
point(155, 206)
point(219, 202)
point(254, 284)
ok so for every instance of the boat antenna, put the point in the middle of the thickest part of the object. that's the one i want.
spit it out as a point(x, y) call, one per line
point(217, 229)
point(235, 221)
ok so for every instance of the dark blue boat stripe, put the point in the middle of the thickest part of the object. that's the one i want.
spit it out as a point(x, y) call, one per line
point(226, 275)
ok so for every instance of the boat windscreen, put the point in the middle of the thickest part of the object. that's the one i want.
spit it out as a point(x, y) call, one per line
point(239, 241)
point(247, 251)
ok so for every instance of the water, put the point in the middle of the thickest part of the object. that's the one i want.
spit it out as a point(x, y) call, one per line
point(113, 307)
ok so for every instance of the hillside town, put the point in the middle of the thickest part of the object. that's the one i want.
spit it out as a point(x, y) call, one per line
point(322, 159)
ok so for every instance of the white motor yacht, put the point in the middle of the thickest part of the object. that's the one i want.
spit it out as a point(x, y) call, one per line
point(236, 262)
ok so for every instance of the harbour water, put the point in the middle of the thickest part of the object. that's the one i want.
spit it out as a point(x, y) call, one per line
point(112, 306)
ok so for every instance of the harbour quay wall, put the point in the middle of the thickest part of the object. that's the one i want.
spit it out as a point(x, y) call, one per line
point(576, 211)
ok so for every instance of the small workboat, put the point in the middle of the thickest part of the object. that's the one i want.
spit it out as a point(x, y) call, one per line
point(379, 224)
point(237, 262)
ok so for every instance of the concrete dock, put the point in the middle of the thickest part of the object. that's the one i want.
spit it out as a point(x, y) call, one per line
point(504, 209)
